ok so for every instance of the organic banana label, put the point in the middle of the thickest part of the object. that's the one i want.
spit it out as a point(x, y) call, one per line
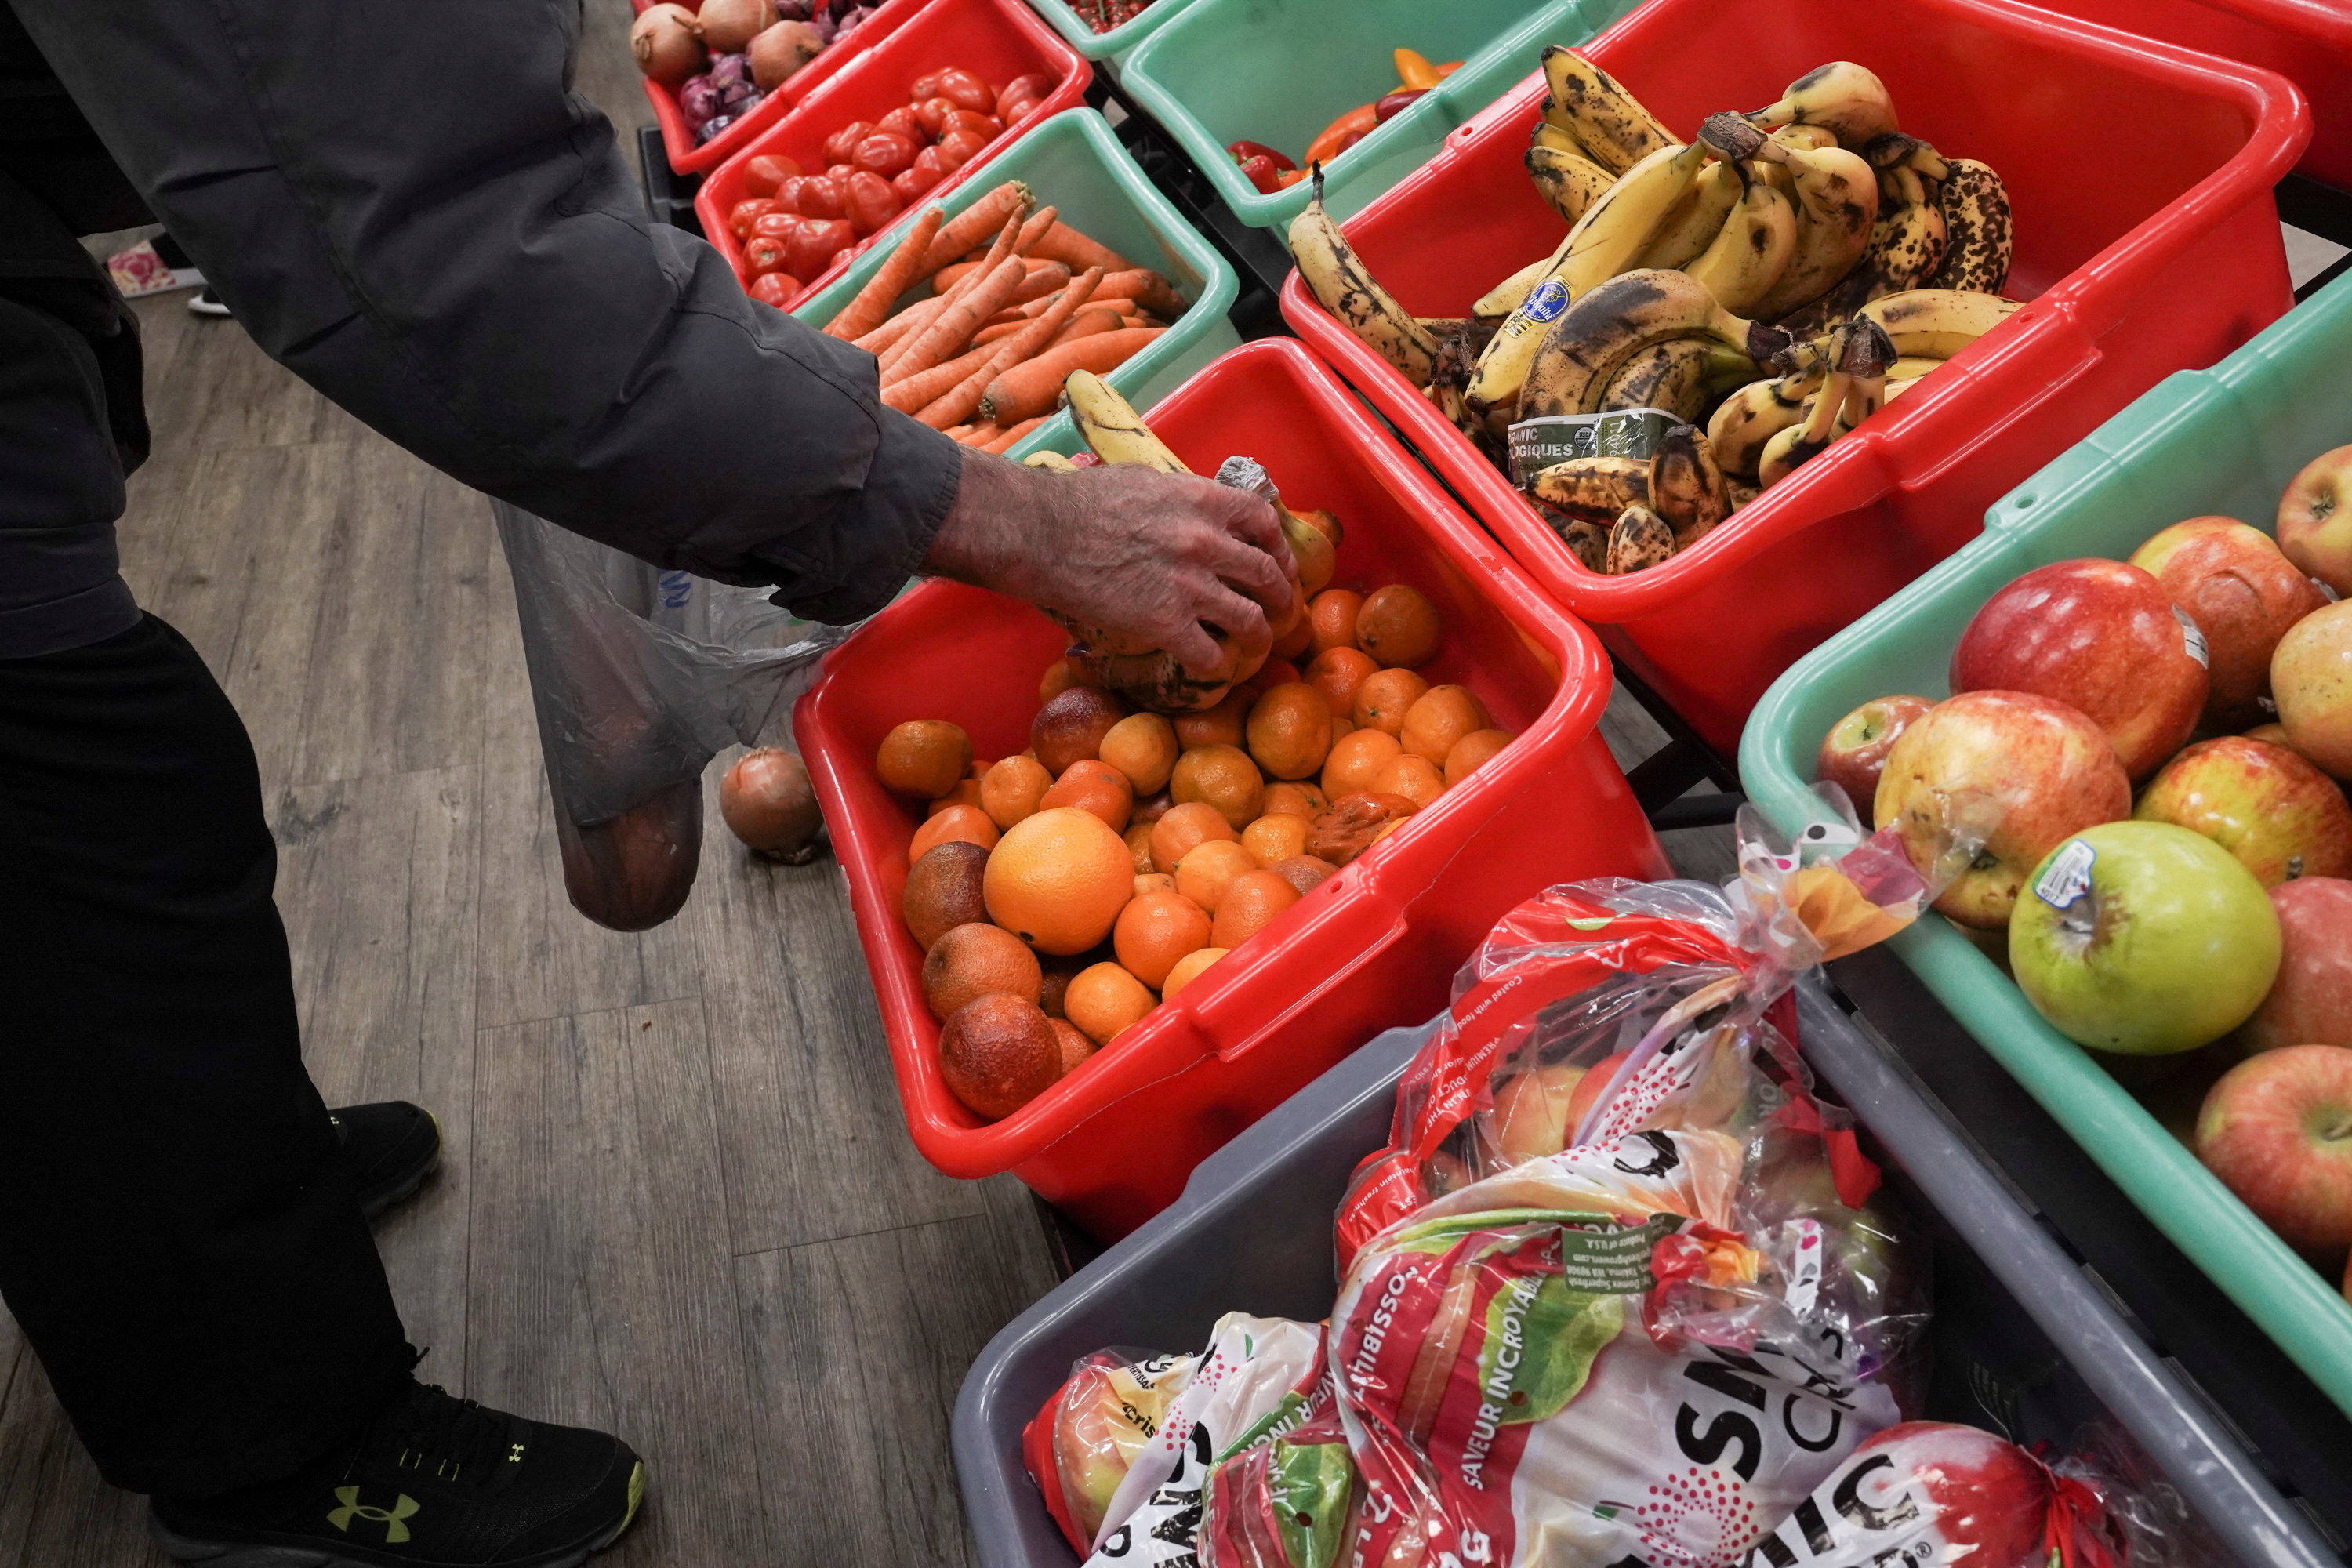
point(1536, 443)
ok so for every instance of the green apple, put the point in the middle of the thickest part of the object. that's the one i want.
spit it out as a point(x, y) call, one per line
point(2143, 938)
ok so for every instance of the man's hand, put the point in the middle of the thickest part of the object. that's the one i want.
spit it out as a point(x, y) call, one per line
point(1125, 548)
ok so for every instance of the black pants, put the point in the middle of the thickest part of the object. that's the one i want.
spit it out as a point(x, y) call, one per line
point(178, 1236)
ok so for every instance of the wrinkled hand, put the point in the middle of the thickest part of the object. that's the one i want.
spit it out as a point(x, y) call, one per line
point(1137, 552)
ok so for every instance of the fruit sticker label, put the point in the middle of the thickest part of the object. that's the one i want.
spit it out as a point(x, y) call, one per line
point(1537, 443)
point(2067, 876)
point(2192, 637)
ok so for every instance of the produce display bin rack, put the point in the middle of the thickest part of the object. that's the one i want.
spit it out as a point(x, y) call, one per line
point(1111, 1143)
point(1228, 70)
point(1000, 40)
point(1075, 165)
point(2137, 255)
point(2226, 441)
point(2024, 1339)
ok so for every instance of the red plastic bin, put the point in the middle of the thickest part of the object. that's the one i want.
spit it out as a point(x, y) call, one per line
point(678, 141)
point(1000, 40)
point(1112, 1143)
point(2147, 242)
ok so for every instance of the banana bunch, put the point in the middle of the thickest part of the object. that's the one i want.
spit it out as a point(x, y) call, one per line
point(1621, 514)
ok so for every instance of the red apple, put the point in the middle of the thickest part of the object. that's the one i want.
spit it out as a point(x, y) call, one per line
point(2275, 732)
point(2311, 677)
point(2277, 1130)
point(1854, 753)
point(2282, 818)
point(2242, 594)
point(2102, 638)
point(1924, 1491)
point(2315, 525)
point(2009, 770)
point(2310, 1003)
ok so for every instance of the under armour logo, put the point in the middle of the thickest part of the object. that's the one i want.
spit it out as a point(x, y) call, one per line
point(394, 1531)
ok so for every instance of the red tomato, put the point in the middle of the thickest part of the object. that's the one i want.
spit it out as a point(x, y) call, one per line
point(911, 184)
point(740, 216)
point(872, 202)
point(776, 226)
point(930, 164)
point(777, 288)
point(813, 247)
point(1035, 87)
point(983, 126)
point(764, 253)
point(1012, 111)
point(931, 113)
point(928, 84)
point(958, 148)
point(837, 145)
point(904, 121)
point(967, 90)
point(763, 173)
point(884, 153)
point(812, 195)
point(839, 171)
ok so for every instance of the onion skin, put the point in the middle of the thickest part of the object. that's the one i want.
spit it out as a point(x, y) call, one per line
point(781, 52)
point(766, 802)
point(667, 44)
point(729, 26)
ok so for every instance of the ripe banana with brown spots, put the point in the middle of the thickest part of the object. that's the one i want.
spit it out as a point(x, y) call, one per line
point(1906, 246)
point(1842, 97)
point(1938, 322)
point(1687, 486)
point(1837, 207)
point(1606, 120)
point(1640, 538)
point(1609, 324)
point(1569, 181)
point(1595, 488)
point(1746, 421)
point(1347, 289)
point(1691, 225)
point(1976, 230)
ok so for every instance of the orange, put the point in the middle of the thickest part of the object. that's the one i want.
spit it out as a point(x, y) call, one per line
point(1471, 751)
point(1138, 844)
point(1093, 786)
point(1355, 759)
point(966, 792)
point(942, 891)
point(1075, 1046)
point(1274, 672)
point(1299, 636)
point(1332, 614)
point(1439, 717)
point(1217, 726)
point(997, 1054)
point(1250, 906)
point(978, 769)
point(967, 822)
point(1208, 869)
point(1143, 747)
point(1058, 880)
point(1155, 931)
point(1304, 872)
point(1010, 789)
point(1070, 727)
point(1183, 827)
point(1397, 626)
point(1272, 839)
point(1154, 882)
point(924, 758)
point(1324, 523)
point(1384, 699)
point(1415, 778)
point(1222, 776)
point(1290, 730)
point(1337, 672)
point(1105, 999)
point(1188, 969)
point(975, 961)
point(1059, 676)
point(1294, 800)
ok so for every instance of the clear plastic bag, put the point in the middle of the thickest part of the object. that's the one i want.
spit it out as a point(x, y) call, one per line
point(638, 677)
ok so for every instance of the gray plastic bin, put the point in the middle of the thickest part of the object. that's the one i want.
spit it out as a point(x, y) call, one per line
point(2023, 1338)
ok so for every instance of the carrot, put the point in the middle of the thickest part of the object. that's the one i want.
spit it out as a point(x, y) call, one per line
point(865, 312)
point(959, 432)
point(1033, 230)
point(956, 405)
point(1088, 322)
point(1042, 280)
point(894, 330)
point(948, 276)
point(909, 393)
point(955, 325)
point(1005, 442)
point(997, 331)
point(1147, 288)
point(892, 366)
point(1032, 387)
point(981, 434)
point(973, 226)
point(1064, 244)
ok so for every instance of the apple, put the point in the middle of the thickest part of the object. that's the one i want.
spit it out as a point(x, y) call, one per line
point(2277, 1130)
point(2282, 818)
point(2144, 939)
point(1531, 1118)
point(2315, 525)
point(1854, 753)
point(2102, 638)
point(2243, 594)
point(2311, 677)
point(1924, 1491)
point(2275, 732)
point(2008, 772)
point(2310, 1003)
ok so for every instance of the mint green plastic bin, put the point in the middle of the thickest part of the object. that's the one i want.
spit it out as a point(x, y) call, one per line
point(1121, 41)
point(2226, 441)
point(1278, 71)
point(1074, 164)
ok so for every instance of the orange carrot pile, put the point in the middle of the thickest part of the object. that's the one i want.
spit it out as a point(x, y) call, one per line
point(1017, 300)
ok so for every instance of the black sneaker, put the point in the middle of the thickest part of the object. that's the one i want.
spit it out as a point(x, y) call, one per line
point(435, 1482)
point(393, 1146)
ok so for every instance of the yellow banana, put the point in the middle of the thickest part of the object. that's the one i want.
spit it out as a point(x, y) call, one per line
point(1911, 367)
point(1570, 181)
point(1842, 97)
point(1977, 228)
point(1595, 488)
point(1938, 322)
point(1506, 296)
point(1893, 150)
point(1906, 245)
point(1691, 225)
point(1614, 130)
point(1860, 353)
point(1686, 487)
point(1603, 243)
point(1052, 460)
point(1557, 138)
point(1113, 429)
point(1608, 325)
point(1837, 205)
point(1749, 252)
point(1670, 375)
point(1748, 419)
point(1640, 538)
point(1804, 440)
point(1805, 138)
point(1348, 290)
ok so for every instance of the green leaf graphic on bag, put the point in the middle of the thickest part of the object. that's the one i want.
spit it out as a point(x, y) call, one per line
point(1541, 1336)
point(1311, 1484)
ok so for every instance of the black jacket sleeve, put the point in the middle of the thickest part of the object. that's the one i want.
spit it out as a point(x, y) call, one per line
point(405, 204)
